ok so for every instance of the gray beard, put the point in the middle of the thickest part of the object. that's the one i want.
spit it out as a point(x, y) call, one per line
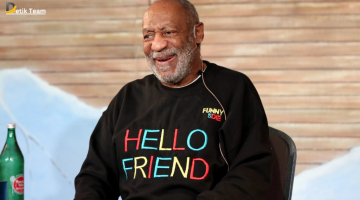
point(182, 69)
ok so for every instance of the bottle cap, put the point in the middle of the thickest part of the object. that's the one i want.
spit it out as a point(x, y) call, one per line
point(11, 125)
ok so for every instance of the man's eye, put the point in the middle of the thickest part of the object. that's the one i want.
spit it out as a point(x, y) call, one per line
point(168, 32)
point(146, 36)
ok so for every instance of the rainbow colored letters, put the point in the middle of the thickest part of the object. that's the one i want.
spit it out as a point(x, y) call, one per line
point(139, 169)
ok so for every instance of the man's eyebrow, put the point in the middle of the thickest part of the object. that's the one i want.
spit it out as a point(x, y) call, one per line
point(145, 30)
point(162, 27)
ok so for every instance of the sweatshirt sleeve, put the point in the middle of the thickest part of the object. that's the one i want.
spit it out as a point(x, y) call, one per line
point(245, 136)
point(98, 177)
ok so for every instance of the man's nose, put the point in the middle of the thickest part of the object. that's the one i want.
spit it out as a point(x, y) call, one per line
point(159, 43)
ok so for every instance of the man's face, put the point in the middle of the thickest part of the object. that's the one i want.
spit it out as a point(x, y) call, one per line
point(167, 41)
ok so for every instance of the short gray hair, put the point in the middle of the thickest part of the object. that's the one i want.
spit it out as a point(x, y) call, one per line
point(192, 15)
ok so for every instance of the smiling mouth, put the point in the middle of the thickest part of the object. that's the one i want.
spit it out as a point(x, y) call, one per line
point(164, 59)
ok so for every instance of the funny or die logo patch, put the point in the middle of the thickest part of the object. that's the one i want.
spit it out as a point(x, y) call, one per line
point(213, 113)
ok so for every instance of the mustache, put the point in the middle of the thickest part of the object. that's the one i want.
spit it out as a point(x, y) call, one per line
point(166, 52)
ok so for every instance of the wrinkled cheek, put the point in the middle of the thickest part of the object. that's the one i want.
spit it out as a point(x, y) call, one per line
point(147, 49)
point(147, 52)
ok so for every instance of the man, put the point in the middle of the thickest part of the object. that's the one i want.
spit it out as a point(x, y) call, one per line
point(195, 130)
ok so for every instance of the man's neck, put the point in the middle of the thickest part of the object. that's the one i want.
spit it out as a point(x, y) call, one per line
point(198, 65)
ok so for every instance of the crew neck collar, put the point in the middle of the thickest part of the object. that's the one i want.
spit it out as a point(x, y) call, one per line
point(194, 86)
point(191, 81)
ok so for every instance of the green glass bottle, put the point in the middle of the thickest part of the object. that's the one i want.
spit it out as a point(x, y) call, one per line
point(12, 166)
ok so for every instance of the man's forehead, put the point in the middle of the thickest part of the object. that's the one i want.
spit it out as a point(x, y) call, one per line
point(164, 13)
point(165, 5)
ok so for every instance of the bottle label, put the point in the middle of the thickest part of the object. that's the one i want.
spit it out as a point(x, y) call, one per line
point(18, 183)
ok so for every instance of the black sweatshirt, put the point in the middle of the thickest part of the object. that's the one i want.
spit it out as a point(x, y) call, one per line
point(159, 143)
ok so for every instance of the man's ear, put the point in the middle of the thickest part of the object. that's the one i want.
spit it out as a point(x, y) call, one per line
point(199, 32)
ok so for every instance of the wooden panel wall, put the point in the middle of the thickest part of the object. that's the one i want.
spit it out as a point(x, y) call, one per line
point(302, 55)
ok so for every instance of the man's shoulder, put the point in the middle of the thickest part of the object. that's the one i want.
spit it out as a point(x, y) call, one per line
point(138, 88)
point(227, 75)
point(231, 86)
point(140, 84)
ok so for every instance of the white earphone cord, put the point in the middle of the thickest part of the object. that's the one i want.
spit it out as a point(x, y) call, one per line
point(202, 71)
point(202, 76)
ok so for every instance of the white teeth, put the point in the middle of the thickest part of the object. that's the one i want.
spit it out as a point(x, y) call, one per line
point(161, 60)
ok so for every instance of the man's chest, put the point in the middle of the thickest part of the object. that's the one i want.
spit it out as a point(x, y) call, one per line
point(171, 138)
